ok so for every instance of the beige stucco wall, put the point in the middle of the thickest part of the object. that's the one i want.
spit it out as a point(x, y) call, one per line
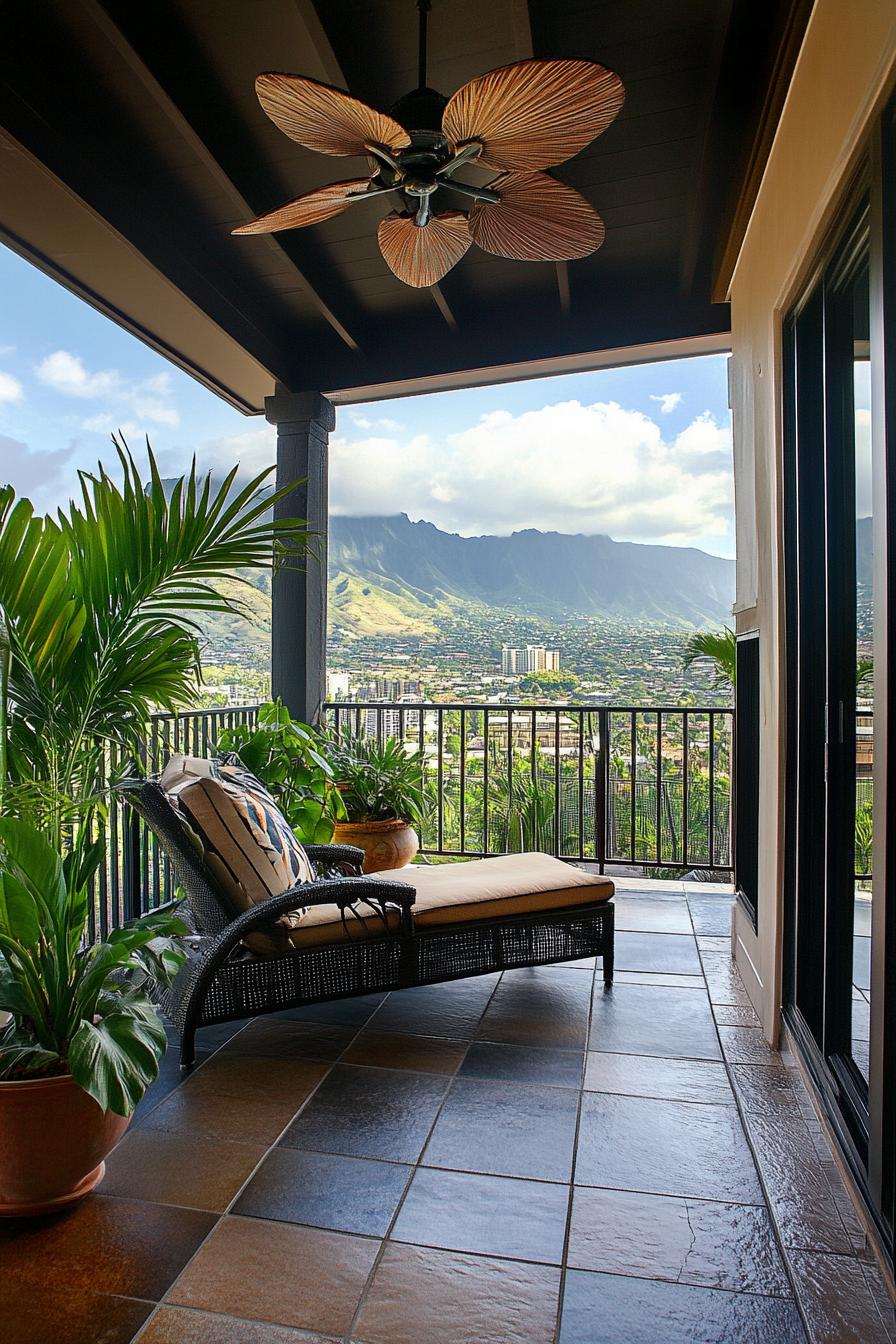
point(843, 75)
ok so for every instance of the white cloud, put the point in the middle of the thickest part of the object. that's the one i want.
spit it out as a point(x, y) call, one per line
point(668, 401)
point(568, 467)
point(37, 476)
point(381, 422)
point(7, 350)
point(10, 388)
point(146, 398)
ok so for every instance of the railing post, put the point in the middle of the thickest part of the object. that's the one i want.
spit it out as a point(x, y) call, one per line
point(602, 767)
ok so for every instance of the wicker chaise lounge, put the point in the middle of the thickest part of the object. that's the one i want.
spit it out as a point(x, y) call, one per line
point(361, 934)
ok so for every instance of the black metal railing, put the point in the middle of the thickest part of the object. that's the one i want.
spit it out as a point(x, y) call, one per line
point(635, 786)
point(619, 786)
point(135, 876)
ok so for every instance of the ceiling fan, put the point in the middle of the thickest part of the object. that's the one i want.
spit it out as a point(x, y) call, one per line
point(517, 120)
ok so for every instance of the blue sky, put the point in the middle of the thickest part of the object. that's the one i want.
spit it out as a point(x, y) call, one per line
point(640, 453)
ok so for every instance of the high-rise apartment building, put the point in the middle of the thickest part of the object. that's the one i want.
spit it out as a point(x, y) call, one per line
point(533, 658)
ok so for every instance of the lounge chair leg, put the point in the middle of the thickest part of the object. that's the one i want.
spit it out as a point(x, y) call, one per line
point(608, 967)
point(188, 1049)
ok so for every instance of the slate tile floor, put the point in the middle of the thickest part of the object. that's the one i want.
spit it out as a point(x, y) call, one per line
point(523, 1159)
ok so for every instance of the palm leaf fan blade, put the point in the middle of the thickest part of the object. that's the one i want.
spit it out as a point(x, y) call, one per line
point(325, 119)
point(536, 219)
point(422, 256)
point(534, 114)
point(312, 208)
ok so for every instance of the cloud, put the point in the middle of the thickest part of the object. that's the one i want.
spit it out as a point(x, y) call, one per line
point(43, 477)
point(568, 467)
point(381, 422)
point(148, 399)
point(10, 388)
point(7, 350)
point(668, 401)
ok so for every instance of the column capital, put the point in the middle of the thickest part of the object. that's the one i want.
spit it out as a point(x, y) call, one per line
point(300, 408)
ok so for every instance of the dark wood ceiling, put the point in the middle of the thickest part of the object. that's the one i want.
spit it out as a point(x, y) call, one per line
point(146, 113)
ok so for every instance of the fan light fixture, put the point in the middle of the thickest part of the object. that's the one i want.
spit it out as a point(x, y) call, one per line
point(517, 120)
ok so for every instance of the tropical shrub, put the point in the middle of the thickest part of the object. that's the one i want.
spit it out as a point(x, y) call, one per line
point(379, 781)
point(283, 754)
point(77, 1007)
point(100, 609)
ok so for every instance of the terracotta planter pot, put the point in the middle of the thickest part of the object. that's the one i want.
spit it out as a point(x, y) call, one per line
point(53, 1142)
point(386, 844)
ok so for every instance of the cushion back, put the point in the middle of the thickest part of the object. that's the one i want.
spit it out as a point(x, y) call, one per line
point(247, 844)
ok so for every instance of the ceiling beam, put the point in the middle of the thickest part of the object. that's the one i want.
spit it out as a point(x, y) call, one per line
point(150, 39)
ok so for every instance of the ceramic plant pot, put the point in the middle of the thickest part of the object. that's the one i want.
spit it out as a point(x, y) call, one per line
point(53, 1142)
point(386, 844)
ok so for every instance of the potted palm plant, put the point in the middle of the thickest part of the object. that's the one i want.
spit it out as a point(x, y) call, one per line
point(83, 1040)
point(381, 784)
point(98, 612)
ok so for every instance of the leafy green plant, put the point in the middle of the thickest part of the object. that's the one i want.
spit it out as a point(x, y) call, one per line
point(100, 609)
point(379, 781)
point(721, 647)
point(77, 1008)
point(283, 754)
point(864, 840)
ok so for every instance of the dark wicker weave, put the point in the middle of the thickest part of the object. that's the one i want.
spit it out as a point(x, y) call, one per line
point(222, 980)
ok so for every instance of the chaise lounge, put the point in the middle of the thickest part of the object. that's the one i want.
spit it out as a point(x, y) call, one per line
point(275, 925)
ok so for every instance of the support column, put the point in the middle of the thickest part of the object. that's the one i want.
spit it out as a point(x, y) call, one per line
point(299, 594)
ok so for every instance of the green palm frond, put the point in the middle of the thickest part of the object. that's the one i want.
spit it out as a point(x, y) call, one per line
point(102, 606)
point(721, 647)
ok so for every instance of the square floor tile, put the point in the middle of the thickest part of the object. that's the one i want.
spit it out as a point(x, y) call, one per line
point(659, 978)
point(673, 953)
point(178, 1325)
point(179, 1168)
point(364, 1112)
point(119, 1246)
point(423, 1296)
point(614, 1309)
point(451, 1010)
point(654, 1020)
point(665, 1147)
point(746, 1045)
point(68, 1313)
point(711, 917)
point(723, 979)
point(541, 1007)
point(505, 1129)
point(685, 1240)
point(765, 1087)
point(648, 915)
point(351, 1012)
point(492, 1215)
point(280, 1038)
point(206, 1107)
point(523, 1064)
point(838, 1300)
point(418, 1054)
point(344, 1194)
point(648, 1076)
point(278, 1272)
point(798, 1191)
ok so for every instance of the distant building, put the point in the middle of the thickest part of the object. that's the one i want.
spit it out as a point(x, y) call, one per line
point(337, 686)
point(533, 658)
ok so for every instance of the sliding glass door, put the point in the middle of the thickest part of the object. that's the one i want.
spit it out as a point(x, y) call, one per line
point(839, 510)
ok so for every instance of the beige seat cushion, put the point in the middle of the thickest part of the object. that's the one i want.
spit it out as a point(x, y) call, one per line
point(449, 893)
point(513, 884)
point(324, 924)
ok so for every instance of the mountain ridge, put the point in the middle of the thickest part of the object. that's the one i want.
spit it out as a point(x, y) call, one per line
point(417, 568)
